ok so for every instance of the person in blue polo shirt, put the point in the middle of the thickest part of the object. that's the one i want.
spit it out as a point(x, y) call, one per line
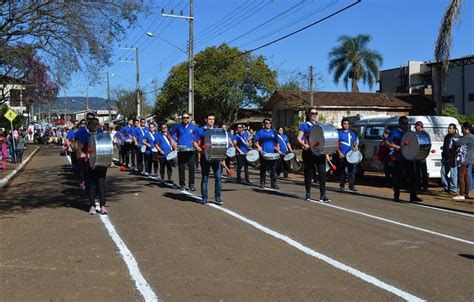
point(347, 142)
point(266, 141)
point(285, 148)
point(163, 144)
point(404, 168)
point(310, 160)
point(206, 164)
point(141, 131)
point(149, 141)
point(185, 132)
point(127, 134)
point(242, 142)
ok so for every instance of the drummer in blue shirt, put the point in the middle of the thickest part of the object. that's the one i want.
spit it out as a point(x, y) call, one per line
point(404, 168)
point(266, 141)
point(140, 132)
point(185, 132)
point(347, 142)
point(127, 134)
point(163, 144)
point(285, 148)
point(206, 164)
point(242, 142)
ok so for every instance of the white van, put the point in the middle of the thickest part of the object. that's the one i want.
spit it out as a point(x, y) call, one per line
point(370, 132)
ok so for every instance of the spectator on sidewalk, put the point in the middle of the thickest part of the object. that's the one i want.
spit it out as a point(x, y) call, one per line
point(449, 171)
point(20, 148)
point(467, 143)
point(3, 149)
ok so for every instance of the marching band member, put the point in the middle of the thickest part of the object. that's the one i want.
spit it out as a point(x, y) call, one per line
point(120, 143)
point(230, 135)
point(149, 142)
point(347, 142)
point(266, 141)
point(206, 165)
point(311, 160)
point(185, 132)
point(140, 131)
point(94, 178)
point(394, 140)
point(285, 148)
point(127, 134)
point(163, 144)
point(242, 143)
point(70, 147)
point(421, 166)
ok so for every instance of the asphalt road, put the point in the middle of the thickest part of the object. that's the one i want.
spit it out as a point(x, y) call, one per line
point(261, 245)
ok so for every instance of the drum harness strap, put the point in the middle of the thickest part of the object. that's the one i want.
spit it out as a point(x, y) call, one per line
point(282, 140)
point(348, 143)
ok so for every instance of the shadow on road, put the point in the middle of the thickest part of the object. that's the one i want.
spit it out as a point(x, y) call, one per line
point(467, 256)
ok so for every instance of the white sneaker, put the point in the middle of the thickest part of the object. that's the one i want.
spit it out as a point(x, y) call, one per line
point(459, 198)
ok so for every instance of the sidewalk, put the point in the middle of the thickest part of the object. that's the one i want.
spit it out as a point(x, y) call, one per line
point(7, 174)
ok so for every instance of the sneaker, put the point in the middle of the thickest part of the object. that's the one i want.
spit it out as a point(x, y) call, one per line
point(353, 189)
point(82, 185)
point(203, 200)
point(103, 210)
point(341, 188)
point(262, 185)
point(192, 188)
point(219, 201)
point(92, 210)
point(308, 196)
point(459, 198)
point(181, 188)
point(324, 199)
point(416, 199)
point(276, 187)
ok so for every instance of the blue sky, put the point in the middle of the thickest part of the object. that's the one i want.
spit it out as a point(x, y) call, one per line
point(401, 30)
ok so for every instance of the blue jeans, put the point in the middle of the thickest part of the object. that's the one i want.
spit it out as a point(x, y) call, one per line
point(205, 169)
point(449, 177)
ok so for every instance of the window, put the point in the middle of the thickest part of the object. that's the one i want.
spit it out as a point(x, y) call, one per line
point(470, 97)
point(448, 99)
point(374, 132)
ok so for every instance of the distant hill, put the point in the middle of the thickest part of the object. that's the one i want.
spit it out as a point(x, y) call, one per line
point(77, 103)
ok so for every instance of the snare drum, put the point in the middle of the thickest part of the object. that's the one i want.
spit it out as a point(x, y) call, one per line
point(253, 158)
point(292, 161)
point(354, 157)
point(172, 155)
point(230, 153)
point(271, 156)
point(415, 145)
point(184, 148)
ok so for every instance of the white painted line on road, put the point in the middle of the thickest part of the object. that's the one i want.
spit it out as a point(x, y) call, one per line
point(334, 263)
point(142, 285)
point(442, 210)
point(6, 179)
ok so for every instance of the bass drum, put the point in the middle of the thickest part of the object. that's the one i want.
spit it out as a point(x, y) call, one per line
point(416, 145)
point(215, 142)
point(323, 139)
point(101, 150)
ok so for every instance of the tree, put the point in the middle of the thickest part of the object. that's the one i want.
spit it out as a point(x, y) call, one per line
point(353, 60)
point(444, 40)
point(226, 80)
point(126, 102)
point(70, 35)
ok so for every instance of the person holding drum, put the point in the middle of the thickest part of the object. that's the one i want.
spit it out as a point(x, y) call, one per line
point(347, 142)
point(140, 132)
point(285, 148)
point(185, 132)
point(242, 143)
point(164, 147)
point(94, 178)
point(206, 164)
point(127, 134)
point(404, 168)
point(266, 141)
point(421, 166)
point(151, 161)
point(310, 160)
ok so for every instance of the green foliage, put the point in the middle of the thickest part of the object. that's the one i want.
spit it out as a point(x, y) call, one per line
point(452, 111)
point(126, 102)
point(353, 60)
point(225, 81)
point(4, 123)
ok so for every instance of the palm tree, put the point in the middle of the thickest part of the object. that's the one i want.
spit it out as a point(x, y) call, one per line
point(444, 41)
point(352, 60)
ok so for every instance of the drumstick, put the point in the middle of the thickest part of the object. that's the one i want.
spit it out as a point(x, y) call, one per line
point(333, 167)
point(230, 172)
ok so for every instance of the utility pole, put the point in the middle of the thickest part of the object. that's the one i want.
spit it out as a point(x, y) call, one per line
point(311, 79)
point(108, 97)
point(190, 19)
point(139, 95)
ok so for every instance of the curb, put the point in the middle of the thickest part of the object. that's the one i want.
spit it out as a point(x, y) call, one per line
point(6, 180)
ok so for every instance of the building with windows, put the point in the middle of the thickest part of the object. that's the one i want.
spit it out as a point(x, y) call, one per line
point(419, 77)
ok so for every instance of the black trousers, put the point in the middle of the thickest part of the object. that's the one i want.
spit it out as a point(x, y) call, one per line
point(267, 165)
point(140, 157)
point(149, 163)
point(405, 170)
point(169, 168)
point(351, 170)
point(422, 174)
point(95, 183)
point(282, 166)
point(242, 163)
point(311, 163)
point(186, 158)
point(128, 147)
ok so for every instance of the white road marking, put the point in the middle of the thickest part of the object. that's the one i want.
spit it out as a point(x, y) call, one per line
point(442, 210)
point(334, 263)
point(142, 285)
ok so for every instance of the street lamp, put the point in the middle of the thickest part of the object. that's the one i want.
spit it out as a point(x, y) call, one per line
point(151, 35)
